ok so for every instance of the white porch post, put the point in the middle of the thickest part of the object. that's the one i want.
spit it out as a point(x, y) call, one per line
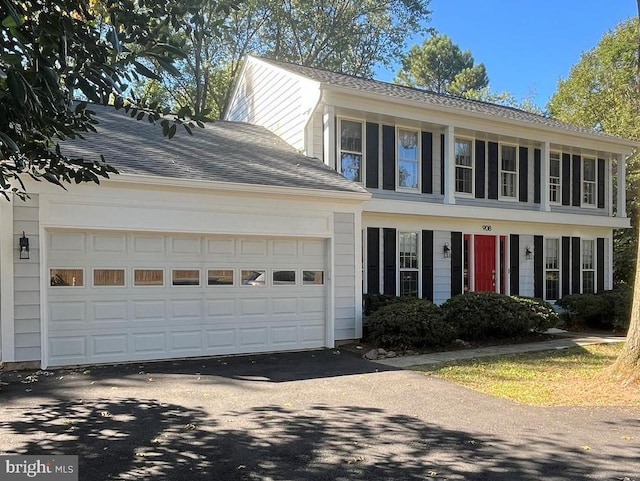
point(545, 159)
point(329, 134)
point(609, 195)
point(7, 321)
point(622, 191)
point(449, 166)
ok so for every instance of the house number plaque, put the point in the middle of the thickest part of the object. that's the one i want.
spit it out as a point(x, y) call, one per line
point(486, 228)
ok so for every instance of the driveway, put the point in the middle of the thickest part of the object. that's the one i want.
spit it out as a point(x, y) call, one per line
point(323, 415)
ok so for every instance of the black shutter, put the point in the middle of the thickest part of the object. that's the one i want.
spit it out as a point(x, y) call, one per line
point(523, 175)
point(600, 265)
point(492, 170)
point(456, 263)
point(601, 179)
point(566, 179)
point(427, 265)
point(576, 179)
point(575, 265)
point(373, 151)
point(537, 177)
point(388, 157)
point(566, 264)
point(427, 163)
point(442, 164)
point(373, 260)
point(514, 264)
point(480, 168)
point(538, 267)
point(389, 239)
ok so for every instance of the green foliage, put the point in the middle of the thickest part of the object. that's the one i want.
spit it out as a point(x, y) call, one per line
point(482, 315)
point(373, 302)
point(604, 310)
point(410, 323)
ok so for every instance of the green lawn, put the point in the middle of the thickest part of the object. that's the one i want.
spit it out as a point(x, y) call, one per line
point(569, 377)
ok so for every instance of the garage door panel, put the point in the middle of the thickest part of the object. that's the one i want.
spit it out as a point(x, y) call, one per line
point(253, 248)
point(312, 305)
point(109, 345)
point(188, 309)
point(109, 311)
point(312, 336)
point(186, 246)
point(103, 243)
point(186, 341)
point(253, 307)
point(284, 248)
point(254, 337)
point(218, 339)
point(222, 247)
point(284, 337)
point(69, 313)
point(286, 305)
point(66, 242)
point(149, 342)
point(68, 348)
point(148, 245)
point(220, 307)
point(149, 310)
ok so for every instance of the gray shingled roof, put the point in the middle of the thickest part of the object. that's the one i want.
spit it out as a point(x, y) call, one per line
point(423, 96)
point(223, 151)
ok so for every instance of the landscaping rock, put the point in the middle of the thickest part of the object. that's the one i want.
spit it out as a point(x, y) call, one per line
point(371, 355)
point(381, 352)
point(391, 354)
point(461, 343)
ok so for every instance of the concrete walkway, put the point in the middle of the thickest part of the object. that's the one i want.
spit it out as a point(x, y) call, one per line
point(572, 340)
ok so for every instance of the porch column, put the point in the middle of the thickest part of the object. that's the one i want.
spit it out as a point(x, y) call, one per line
point(329, 134)
point(545, 159)
point(449, 166)
point(7, 321)
point(622, 192)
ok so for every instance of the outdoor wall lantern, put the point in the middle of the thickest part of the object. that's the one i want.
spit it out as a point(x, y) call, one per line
point(446, 250)
point(24, 246)
point(528, 253)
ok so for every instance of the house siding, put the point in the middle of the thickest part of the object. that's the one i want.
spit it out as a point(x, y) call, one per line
point(27, 282)
point(344, 276)
point(526, 267)
point(441, 268)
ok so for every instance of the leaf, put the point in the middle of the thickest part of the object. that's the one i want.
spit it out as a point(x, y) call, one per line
point(17, 87)
point(141, 69)
point(6, 140)
point(172, 131)
point(80, 107)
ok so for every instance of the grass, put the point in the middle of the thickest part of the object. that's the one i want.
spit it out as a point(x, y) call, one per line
point(570, 377)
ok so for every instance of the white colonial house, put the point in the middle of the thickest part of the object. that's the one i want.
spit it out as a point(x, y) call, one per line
point(239, 240)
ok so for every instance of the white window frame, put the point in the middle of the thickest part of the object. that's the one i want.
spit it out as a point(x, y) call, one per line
point(557, 269)
point(472, 167)
point(516, 173)
point(140, 286)
point(306, 284)
point(409, 269)
point(594, 263)
point(93, 277)
point(58, 268)
point(263, 270)
point(558, 186)
point(182, 286)
point(340, 150)
point(584, 182)
point(219, 286)
point(417, 161)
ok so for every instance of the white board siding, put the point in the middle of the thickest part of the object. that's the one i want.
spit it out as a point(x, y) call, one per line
point(318, 136)
point(441, 268)
point(526, 267)
point(344, 276)
point(27, 281)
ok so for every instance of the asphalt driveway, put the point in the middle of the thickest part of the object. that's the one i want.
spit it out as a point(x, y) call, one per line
point(324, 415)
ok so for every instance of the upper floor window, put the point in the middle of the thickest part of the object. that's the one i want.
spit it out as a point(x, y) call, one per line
point(588, 266)
point(351, 149)
point(589, 182)
point(464, 166)
point(508, 171)
point(552, 269)
point(555, 184)
point(408, 263)
point(407, 159)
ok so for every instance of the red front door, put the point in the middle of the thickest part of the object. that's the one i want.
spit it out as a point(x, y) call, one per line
point(484, 253)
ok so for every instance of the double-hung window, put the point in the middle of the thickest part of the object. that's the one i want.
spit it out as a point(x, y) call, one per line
point(408, 264)
point(555, 184)
point(552, 269)
point(408, 159)
point(464, 166)
point(508, 171)
point(351, 149)
point(589, 182)
point(588, 266)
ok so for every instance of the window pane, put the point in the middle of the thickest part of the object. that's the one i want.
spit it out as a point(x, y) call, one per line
point(67, 277)
point(588, 284)
point(407, 145)
point(284, 278)
point(351, 135)
point(464, 177)
point(350, 166)
point(589, 194)
point(463, 153)
point(108, 277)
point(253, 278)
point(148, 277)
point(590, 170)
point(508, 185)
point(408, 250)
point(409, 283)
point(220, 277)
point(509, 158)
point(587, 254)
point(190, 277)
point(552, 254)
point(313, 278)
point(408, 174)
point(552, 285)
point(554, 166)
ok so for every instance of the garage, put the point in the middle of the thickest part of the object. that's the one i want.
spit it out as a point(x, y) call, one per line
point(128, 296)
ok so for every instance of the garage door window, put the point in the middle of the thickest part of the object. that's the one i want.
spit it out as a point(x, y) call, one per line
point(313, 278)
point(67, 277)
point(148, 277)
point(185, 277)
point(220, 277)
point(284, 278)
point(108, 277)
point(254, 277)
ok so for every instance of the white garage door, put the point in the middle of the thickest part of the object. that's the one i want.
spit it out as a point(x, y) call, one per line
point(122, 297)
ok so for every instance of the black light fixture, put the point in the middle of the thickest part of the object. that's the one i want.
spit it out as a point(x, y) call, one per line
point(446, 250)
point(528, 253)
point(24, 246)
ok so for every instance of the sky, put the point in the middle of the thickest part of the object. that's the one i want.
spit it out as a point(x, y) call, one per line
point(526, 45)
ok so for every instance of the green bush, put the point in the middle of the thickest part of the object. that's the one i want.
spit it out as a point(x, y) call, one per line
point(604, 310)
point(410, 323)
point(482, 315)
point(373, 302)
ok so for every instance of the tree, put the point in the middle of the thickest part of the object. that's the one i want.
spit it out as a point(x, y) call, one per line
point(601, 93)
point(52, 50)
point(438, 65)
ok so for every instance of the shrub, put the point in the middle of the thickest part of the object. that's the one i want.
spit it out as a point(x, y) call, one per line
point(373, 302)
point(604, 310)
point(410, 323)
point(481, 315)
